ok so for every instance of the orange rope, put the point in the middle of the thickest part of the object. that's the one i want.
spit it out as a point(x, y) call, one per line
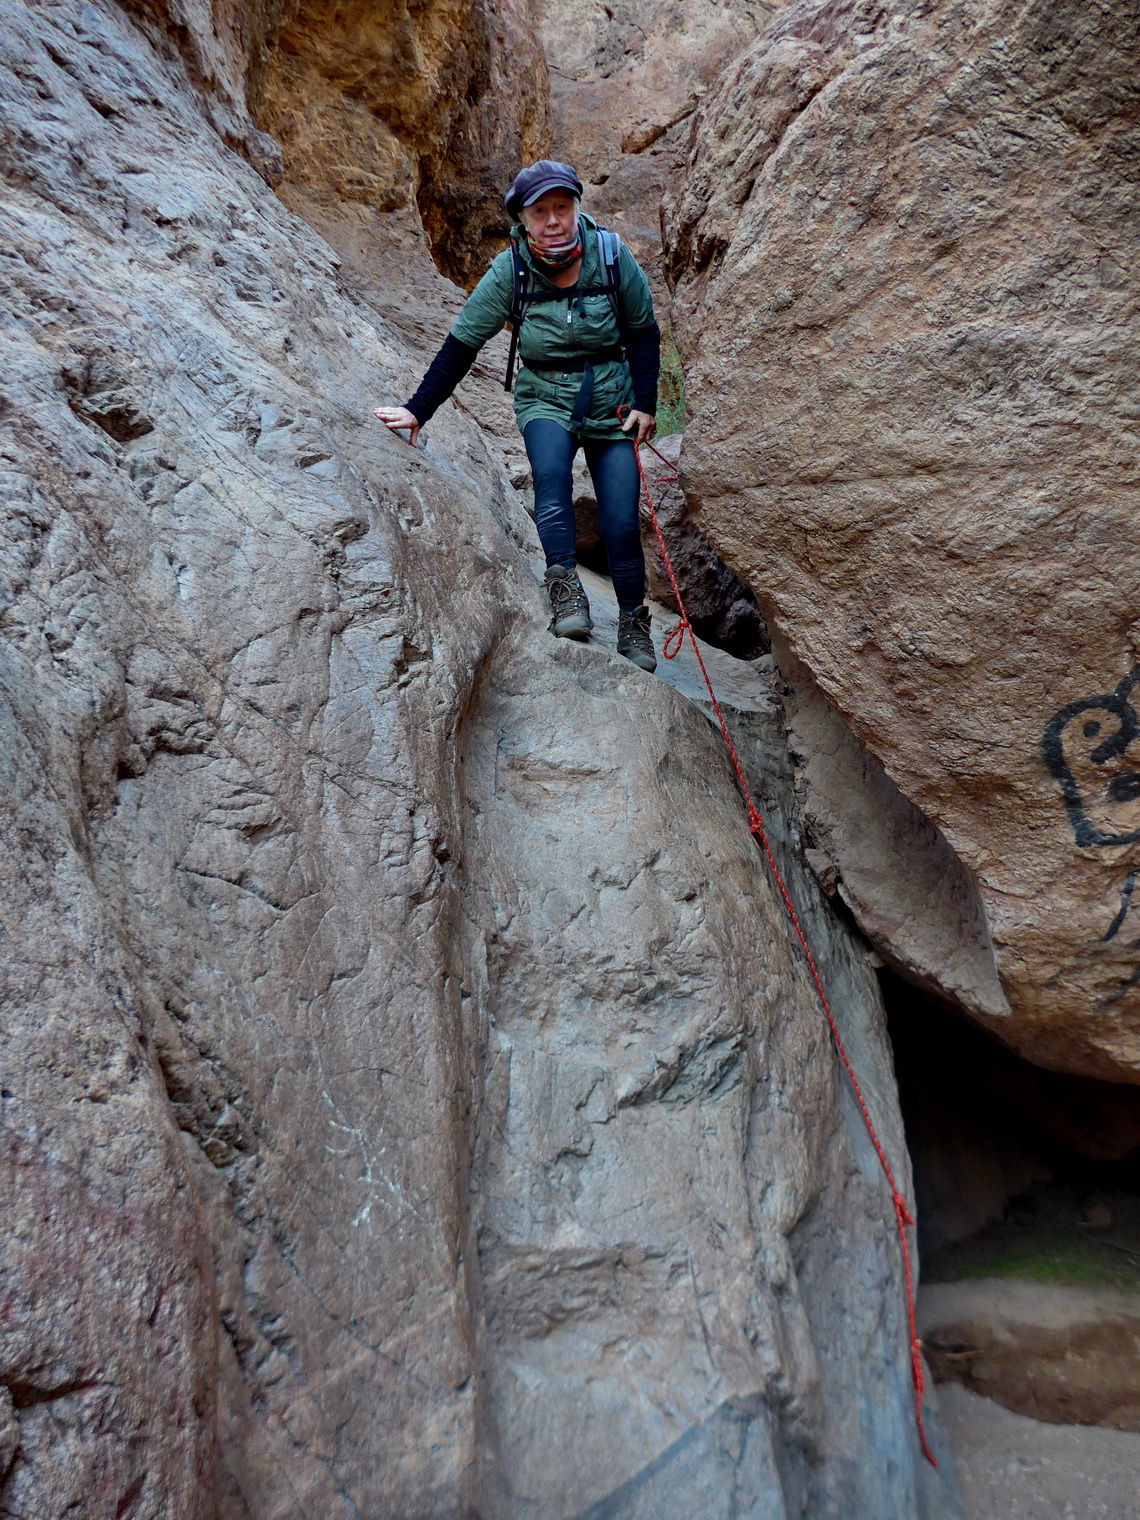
point(672, 646)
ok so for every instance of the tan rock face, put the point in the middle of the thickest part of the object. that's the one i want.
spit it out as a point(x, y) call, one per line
point(420, 969)
point(625, 80)
point(905, 254)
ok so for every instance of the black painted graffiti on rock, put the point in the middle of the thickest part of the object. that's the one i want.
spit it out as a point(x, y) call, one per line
point(1121, 912)
point(1092, 749)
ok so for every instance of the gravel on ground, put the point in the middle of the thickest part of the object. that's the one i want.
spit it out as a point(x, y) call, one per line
point(1013, 1468)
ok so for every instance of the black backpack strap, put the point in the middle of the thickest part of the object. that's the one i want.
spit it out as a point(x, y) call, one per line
point(520, 286)
point(523, 293)
point(609, 260)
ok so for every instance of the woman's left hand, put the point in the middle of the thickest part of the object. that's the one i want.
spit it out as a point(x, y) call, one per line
point(645, 423)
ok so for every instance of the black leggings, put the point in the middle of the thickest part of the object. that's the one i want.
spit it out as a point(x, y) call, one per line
point(613, 469)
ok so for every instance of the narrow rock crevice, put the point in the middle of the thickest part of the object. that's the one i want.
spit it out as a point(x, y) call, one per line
point(414, 1054)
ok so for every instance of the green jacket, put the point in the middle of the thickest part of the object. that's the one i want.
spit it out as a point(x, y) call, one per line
point(554, 330)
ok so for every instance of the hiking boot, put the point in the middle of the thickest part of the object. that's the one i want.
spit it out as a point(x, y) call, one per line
point(633, 638)
point(568, 603)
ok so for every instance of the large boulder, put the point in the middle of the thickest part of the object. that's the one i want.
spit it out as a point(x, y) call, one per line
point(415, 1105)
point(905, 249)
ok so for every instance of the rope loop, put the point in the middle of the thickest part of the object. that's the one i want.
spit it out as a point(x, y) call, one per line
point(903, 1216)
point(675, 640)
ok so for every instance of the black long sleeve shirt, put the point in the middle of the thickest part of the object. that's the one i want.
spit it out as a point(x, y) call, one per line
point(447, 369)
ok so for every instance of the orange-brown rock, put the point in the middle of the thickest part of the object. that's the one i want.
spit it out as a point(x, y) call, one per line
point(905, 251)
point(429, 107)
point(433, 106)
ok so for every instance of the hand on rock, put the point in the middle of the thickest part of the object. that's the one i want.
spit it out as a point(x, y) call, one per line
point(397, 418)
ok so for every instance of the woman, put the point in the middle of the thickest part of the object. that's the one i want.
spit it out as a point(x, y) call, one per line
point(583, 324)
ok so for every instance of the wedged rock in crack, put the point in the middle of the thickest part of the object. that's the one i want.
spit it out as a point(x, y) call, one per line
point(650, 1117)
point(904, 248)
point(908, 890)
point(420, 968)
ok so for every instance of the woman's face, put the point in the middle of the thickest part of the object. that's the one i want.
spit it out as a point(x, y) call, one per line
point(552, 218)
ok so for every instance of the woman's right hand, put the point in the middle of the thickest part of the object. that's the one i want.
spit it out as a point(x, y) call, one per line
point(398, 418)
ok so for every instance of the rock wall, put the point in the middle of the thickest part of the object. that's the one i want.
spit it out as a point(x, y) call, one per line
point(904, 248)
point(416, 970)
point(625, 81)
point(430, 107)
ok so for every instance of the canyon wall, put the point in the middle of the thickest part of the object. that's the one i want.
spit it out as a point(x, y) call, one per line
point(431, 108)
point(904, 249)
point(625, 81)
point(414, 1104)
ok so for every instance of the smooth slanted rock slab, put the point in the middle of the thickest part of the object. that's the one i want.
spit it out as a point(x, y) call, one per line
point(904, 248)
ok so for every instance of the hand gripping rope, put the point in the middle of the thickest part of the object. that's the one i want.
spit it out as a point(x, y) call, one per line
point(674, 642)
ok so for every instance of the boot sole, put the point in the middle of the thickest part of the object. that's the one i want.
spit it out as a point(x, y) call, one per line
point(572, 629)
point(642, 661)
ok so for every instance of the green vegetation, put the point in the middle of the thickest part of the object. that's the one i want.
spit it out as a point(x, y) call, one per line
point(1043, 1238)
point(671, 393)
point(1077, 1263)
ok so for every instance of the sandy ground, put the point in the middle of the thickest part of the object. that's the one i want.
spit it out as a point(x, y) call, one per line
point(1018, 1469)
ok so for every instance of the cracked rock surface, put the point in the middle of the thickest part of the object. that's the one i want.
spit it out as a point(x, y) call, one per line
point(413, 1104)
